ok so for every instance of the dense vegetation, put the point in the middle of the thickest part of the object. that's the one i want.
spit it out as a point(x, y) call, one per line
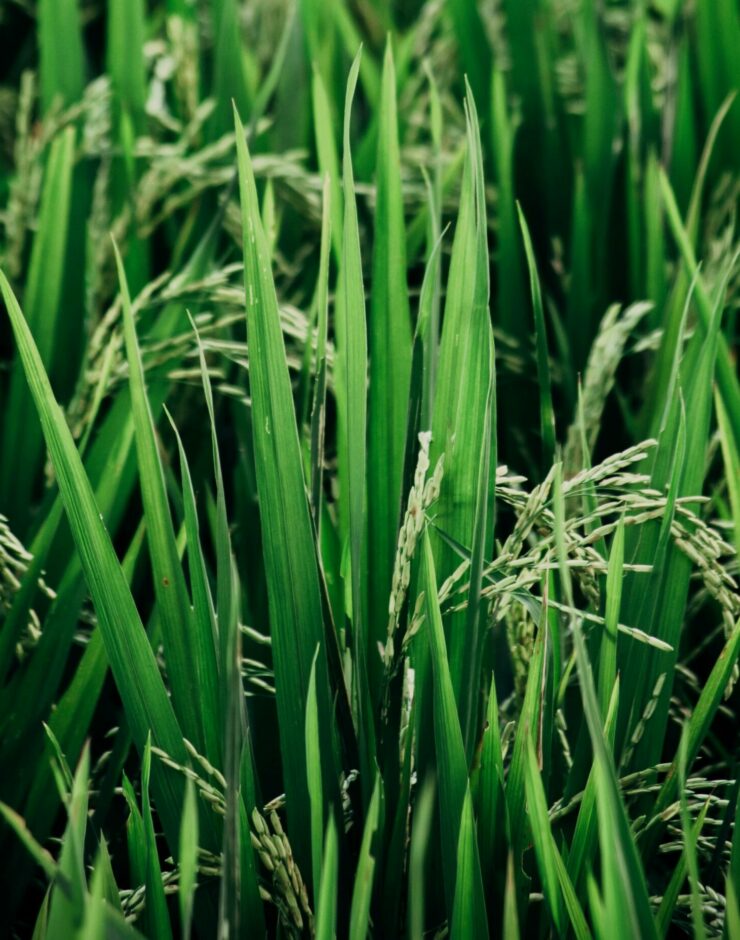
point(370, 475)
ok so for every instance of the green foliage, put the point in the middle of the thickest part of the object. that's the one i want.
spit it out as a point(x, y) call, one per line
point(419, 614)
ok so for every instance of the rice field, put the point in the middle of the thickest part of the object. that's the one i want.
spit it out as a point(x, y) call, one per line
point(369, 469)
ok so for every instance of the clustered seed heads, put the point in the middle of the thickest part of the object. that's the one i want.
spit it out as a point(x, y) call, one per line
point(14, 562)
point(213, 790)
point(288, 891)
point(607, 351)
point(423, 493)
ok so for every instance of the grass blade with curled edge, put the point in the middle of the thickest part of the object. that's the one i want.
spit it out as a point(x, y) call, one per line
point(289, 551)
point(132, 661)
point(390, 365)
point(170, 590)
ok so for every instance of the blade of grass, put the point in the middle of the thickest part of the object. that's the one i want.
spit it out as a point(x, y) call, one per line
point(315, 790)
point(493, 822)
point(547, 414)
point(289, 550)
point(390, 364)
point(420, 830)
point(468, 920)
point(62, 56)
point(362, 892)
point(170, 589)
point(727, 380)
point(205, 629)
point(188, 859)
point(318, 410)
point(326, 907)
point(556, 884)
point(351, 372)
point(608, 648)
point(132, 661)
point(22, 439)
point(463, 382)
point(459, 851)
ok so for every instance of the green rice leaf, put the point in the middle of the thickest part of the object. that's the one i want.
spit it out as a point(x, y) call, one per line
point(62, 55)
point(22, 439)
point(362, 892)
point(315, 790)
point(463, 382)
point(188, 858)
point(157, 915)
point(290, 557)
point(170, 589)
point(390, 363)
point(326, 908)
point(468, 919)
point(420, 830)
point(459, 847)
point(547, 415)
point(125, 55)
point(132, 661)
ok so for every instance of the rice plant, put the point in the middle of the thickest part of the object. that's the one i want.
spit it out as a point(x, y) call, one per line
point(370, 475)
